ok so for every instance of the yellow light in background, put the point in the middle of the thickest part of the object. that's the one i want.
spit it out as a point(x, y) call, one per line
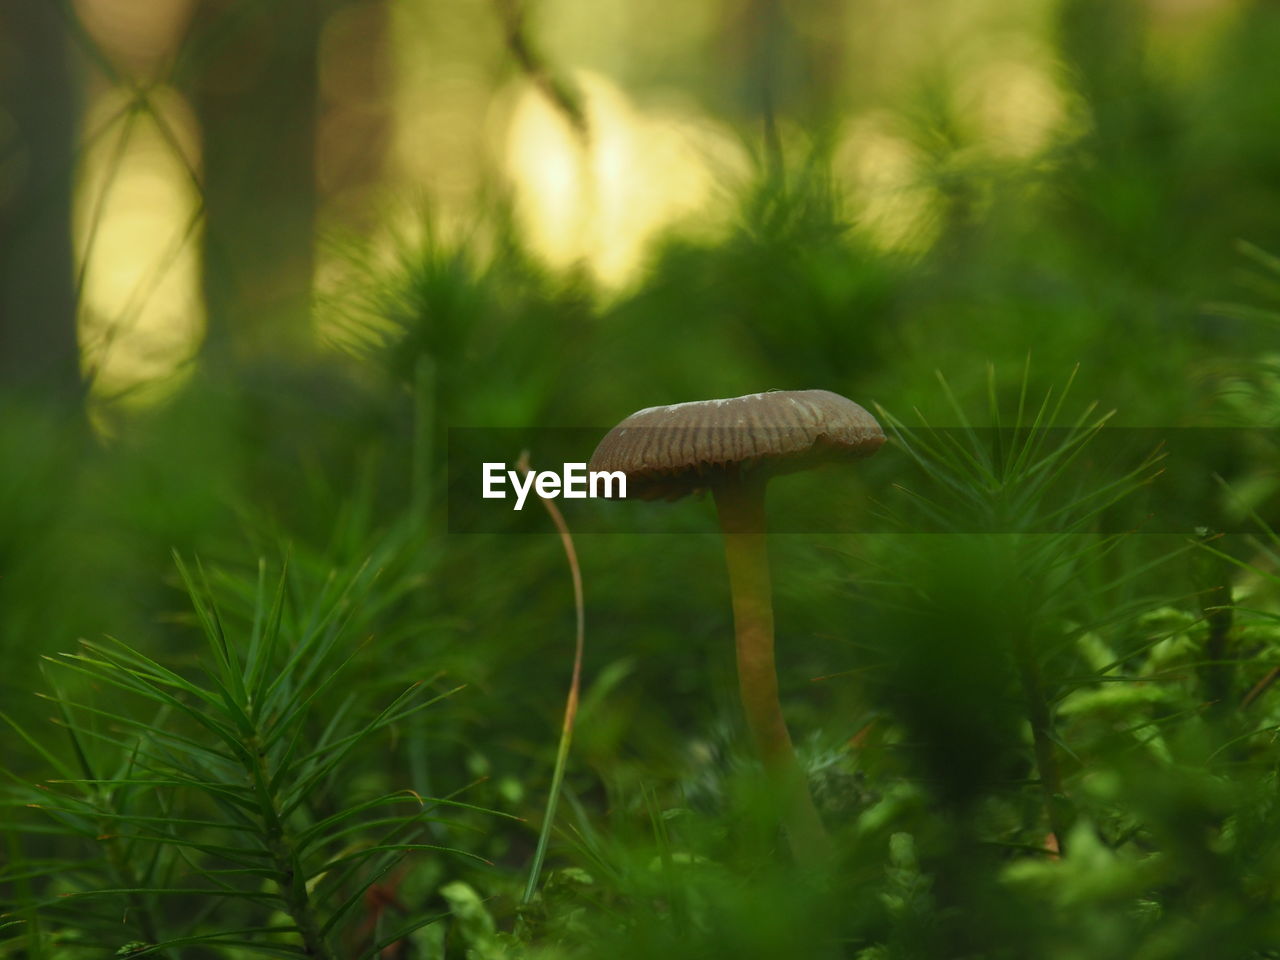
point(601, 202)
point(137, 36)
point(141, 313)
point(1018, 108)
point(894, 205)
point(441, 86)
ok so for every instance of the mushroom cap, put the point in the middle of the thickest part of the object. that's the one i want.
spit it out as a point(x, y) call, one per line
point(668, 452)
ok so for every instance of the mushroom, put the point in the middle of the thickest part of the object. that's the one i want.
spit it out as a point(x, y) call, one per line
point(733, 448)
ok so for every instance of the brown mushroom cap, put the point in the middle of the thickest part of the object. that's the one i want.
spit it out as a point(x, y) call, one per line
point(675, 450)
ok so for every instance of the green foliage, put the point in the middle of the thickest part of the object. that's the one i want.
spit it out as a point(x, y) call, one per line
point(225, 805)
point(1033, 728)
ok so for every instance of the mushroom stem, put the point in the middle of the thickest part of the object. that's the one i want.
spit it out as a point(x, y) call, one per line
point(740, 504)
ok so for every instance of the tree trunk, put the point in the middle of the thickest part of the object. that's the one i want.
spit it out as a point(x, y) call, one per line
point(252, 72)
point(38, 347)
point(355, 112)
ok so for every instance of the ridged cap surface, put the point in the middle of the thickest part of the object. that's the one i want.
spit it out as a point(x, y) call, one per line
point(674, 450)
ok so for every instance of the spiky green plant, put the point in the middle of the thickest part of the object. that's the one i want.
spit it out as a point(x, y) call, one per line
point(1019, 529)
point(224, 804)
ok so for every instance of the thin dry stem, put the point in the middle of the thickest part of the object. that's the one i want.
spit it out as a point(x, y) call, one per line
point(575, 684)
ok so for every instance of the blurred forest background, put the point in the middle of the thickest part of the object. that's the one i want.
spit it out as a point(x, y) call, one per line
point(256, 258)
